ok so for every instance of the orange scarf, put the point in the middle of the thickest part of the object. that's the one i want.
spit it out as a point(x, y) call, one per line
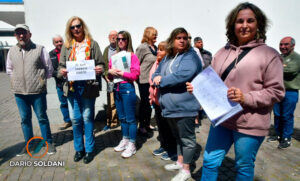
point(72, 56)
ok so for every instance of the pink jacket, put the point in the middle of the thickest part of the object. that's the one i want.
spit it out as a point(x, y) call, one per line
point(153, 96)
point(259, 75)
point(134, 70)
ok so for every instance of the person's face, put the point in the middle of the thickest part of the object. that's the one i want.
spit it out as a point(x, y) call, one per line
point(199, 44)
point(245, 26)
point(122, 42)
point(161, 53)
point(58, 42)
point(285, 46)
point(153, 37)
point(112, 37)
point(180, 42)
point(23, 36)
point(76, 29)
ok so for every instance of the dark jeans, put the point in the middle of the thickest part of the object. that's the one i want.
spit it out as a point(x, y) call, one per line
point(167, 140)
point(145, 107)
point(63, 104)
point(183, 130)
point(284, 114)
point(39, 104)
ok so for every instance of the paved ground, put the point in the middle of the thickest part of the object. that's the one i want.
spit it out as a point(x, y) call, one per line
point(272, 163)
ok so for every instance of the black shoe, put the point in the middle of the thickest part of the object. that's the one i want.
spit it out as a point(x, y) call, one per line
point(88, 157)
point(273, 139)
point(284, 143)
point(78, 155)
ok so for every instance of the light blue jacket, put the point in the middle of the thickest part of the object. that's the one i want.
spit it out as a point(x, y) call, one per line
point(174, 99)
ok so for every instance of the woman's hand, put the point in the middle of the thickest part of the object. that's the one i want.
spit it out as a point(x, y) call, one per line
point(64, 72)
point(113, 72)
point(120, 73)
point(189, 87)
point(236, 95)
point(157, 80)
point(98, 70)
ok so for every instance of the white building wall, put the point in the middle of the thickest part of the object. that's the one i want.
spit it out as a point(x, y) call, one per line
point(200, 17)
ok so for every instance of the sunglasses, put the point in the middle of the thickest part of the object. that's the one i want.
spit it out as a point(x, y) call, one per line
point(75, 26)
point(21, 32)
point(123, 39)
point(190, 37)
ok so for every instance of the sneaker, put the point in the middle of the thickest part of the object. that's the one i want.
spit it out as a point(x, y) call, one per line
point(130, 150)
point(284, 143)
point(107, 127)
point(51, 149)
point(166, 156)
point(122, 145)
point(273, 138)
point(22, 152)
point(182, 176)
point(173, 166)
point(158, 151)
point(65, 126)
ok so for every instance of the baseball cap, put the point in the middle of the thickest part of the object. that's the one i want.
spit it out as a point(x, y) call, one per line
point(22, 26)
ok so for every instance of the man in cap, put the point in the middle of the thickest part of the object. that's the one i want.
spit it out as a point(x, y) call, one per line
point(55, 56)
point(29, 66)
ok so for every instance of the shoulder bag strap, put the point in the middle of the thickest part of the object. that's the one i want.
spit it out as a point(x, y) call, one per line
point(239, 58)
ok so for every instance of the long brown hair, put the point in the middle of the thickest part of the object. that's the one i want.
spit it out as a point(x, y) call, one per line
point(262, 22)
point(126, 35)
point(170, 41)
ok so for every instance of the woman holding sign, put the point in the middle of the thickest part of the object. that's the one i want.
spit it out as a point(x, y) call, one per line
point(255, 81)
point(124, 69)
point(81, 95)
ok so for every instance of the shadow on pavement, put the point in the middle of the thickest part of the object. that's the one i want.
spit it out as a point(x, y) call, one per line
point(10, 152)
point(226, 171)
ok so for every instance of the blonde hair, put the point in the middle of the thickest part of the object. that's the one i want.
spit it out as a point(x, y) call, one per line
point(148, 32)
point(162, 45)
point(68, 33)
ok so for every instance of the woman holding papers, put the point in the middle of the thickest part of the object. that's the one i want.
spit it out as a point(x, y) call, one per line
point(146, 53)
point(81, 95)
point(124, 69)
point(256, 82)
point(179, 107)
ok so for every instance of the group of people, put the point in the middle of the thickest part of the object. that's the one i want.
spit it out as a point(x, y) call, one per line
point(253, 72)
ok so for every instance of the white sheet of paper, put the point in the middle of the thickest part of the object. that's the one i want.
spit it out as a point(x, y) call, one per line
point(211, 93)
point(121, 61)
point(81, 70)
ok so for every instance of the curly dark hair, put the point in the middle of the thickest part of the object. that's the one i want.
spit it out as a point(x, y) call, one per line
point(172, 37)
point(262, 22)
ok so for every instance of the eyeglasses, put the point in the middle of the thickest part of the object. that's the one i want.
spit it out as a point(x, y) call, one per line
point(75, 26)
point(123, 39)
point(190, 37)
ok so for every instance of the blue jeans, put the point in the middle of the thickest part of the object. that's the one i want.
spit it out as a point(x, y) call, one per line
point(63, 104)
point(284, 114)
point(39, 105)
point(125, 100)
point(82, 112)
point(219, 142)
